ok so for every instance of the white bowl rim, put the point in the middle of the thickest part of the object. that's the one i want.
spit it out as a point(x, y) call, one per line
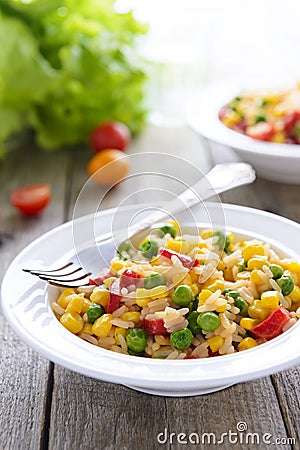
point(142, 371)
point(202, 117)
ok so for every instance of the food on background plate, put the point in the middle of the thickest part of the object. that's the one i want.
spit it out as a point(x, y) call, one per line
point(267, 116)
point(108, 167)
point(110, 135)
point(185, 297)
point(31, 199)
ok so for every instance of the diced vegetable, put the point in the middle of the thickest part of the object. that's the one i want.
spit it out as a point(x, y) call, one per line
point(183, 295)
point(94, 312)
point(114, 297)
point(130, 277)
point(136, 339)
point(286, 284)
point(154, 326)
point(181, 339)
point(272, 326)
point(155, 279)
point(185, 260)
point(209, 321)
point(149, 249)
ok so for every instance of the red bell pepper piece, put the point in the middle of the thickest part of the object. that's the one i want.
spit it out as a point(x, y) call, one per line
point(262, 131)
point(114, 297)
point(290, 119)
point(130, 277)
point(185, 260)
point(103, 275)
point(271, 327)
point(211, 354)
point(154, 326)
point(191, 357)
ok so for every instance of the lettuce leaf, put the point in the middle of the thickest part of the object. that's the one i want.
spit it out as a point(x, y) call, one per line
point(66, 67)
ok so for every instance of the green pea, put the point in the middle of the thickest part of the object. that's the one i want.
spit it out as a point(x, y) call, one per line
point(193, 325)
point(276, 270)
point(182, 295)
point(123, 249)
point(231, 293)
point(259, 118)
point(286, 283)
point(132, 353)
point(240, 303)
point(181, 339)
point(94, 312)
point(168, 229)
point(223, 241)
point(209, 321)
point(136, 339)
point(153, 280)
point(149, 249)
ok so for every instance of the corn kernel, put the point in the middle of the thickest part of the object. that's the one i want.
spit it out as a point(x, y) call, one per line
point(251, 249)
point(256, 311)
point(132, 316)
point(228, 275)
point(180, 279)
point(63, 298)
point(255, 278)
point(195, 288)
point(221, 308)
point(221, 265)
point(156, 292)
point(177, 245)
point(215, 343)
point(121, 331)
point(194, 276)
point(231, 239)
point(248, 324)
point(231, 119)
point(87, 328)
point(295, 295)
point(108, 281)
point(278, 137)
point(155, 261)
point(76, 303)
point(270, 299)
point(206, 234)
point(257, 263)
point(100, 296)
point(213, 287)
point(292, 266)
point(175, 225)
point(204, 295)
point(86, 305)
point(247, 343)
point(102, 326)
point(72, 321)
point(142, 302)
point(116, 265)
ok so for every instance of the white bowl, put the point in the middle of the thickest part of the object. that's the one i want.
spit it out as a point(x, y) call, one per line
point(276, 162)
point(26, 306)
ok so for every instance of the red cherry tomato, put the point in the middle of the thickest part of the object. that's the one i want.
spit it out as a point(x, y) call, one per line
point(110, 135)
point(32, 199)
point(262, 131)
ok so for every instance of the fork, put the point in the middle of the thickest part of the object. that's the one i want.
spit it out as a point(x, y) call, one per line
point(220, 178)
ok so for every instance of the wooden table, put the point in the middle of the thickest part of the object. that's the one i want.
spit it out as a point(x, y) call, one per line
point(46, 406)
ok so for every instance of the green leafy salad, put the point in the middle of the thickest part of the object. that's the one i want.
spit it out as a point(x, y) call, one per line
point(65, 67)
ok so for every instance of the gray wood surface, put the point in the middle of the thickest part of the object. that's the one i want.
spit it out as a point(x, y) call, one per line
point(83, 413)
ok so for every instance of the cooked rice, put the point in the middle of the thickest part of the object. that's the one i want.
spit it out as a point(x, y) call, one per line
point(214, 270)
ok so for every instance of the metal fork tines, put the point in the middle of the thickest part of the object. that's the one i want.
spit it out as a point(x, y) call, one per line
point(68, 275)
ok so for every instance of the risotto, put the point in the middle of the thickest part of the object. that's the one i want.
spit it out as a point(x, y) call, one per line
point(185, 297)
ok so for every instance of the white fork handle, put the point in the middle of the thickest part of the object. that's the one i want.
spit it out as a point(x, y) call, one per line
point(220, 178)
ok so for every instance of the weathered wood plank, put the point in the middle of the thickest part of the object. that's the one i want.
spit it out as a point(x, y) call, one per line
point(23, 373)
point(91, 414)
